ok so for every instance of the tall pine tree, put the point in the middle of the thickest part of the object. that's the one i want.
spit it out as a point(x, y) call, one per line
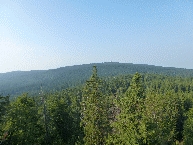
point(129, 126)
point(94, 116)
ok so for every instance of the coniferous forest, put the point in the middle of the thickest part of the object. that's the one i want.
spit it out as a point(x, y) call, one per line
point(122, 109)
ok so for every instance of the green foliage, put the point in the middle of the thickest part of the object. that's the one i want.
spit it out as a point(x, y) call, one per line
point(129, 128)
point(63, 116)
point(16, 83)
point(4, 102)
point(61, 123)
point(22, 122)
point(188, 128)
point(125, 109)
point(94, 116)
point(161, 116)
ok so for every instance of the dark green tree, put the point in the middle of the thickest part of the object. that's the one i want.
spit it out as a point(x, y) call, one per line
point(22, 123)
point(4, 102)
point(188, 128)
point(61, 122)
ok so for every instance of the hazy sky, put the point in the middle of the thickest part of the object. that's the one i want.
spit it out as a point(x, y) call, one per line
point(45, 34)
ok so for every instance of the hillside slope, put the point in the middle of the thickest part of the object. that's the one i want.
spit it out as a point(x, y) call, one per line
point(16, 83)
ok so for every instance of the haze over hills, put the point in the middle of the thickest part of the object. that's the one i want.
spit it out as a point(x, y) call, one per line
point(17, 82)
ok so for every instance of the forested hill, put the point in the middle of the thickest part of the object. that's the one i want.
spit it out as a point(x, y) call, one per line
point(18, 82)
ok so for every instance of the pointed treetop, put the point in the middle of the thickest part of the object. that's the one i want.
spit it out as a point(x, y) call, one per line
point(137, 86)
point(94, 72)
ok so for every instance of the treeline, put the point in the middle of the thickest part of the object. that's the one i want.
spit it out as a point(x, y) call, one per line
point(143, 109)
point(15, 83)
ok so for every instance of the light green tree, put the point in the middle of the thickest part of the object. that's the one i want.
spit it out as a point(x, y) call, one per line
point(94, 116)
point(161, 117)
point(129, 127)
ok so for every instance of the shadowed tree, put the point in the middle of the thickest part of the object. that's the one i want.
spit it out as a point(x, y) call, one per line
point(22, 122)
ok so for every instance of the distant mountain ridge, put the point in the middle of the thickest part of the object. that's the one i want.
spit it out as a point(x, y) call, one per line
point(18, 82)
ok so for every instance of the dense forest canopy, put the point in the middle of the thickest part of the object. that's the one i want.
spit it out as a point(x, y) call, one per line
point(137, 108)
point(16, 83)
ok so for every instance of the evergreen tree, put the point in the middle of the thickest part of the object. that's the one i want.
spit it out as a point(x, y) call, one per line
point(129, 128)
point(188, 128)
point(161, 117)
point(22, 123)
point(94, 116)
point(4, 102)
point(60, 121)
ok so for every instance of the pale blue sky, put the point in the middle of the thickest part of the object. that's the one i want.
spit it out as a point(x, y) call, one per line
point(45, 34)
